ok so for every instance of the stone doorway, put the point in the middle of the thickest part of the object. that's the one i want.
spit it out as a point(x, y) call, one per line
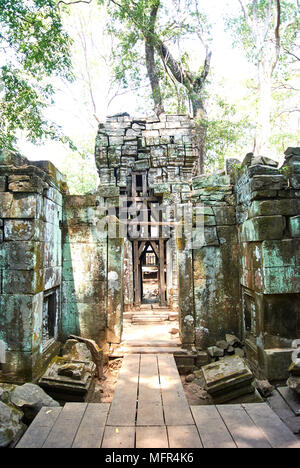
point(149, 272)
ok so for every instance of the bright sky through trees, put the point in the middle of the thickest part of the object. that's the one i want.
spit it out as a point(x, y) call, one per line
point(73, 112)
point(231, 89)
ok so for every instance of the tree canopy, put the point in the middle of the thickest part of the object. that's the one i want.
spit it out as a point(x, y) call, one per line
point(34, 49)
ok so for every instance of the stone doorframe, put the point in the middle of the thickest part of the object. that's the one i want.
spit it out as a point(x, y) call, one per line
point(139, 249)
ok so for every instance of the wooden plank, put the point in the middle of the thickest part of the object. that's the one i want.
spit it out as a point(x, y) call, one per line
point(152, 437)
point(154, 247)
point(123, 408)
point(291, 398)
point(244, 432)
point(91, 429)
point(150, 414)
point(65, 428)
point(211, 427)
point(278, 434)
point(40, 428)
point(184, 437)
point(118, 437)
point(176, 409)
point(149, 386)
point(283, 410)
point(150, 410)
point(141, 248)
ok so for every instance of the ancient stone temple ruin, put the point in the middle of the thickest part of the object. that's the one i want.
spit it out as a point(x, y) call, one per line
point(223, 249)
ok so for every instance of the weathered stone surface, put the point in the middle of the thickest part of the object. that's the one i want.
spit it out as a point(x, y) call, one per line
point(275, 363)
point(294, 384)
point(65, 379)
point(214, 351)
point(232, 340)
point(23, 230)
point(288, 207)
point(294, 226)
point(11, 426)
point(76, 351)
point(18, 206)
point(264, 387)
point(227, 378)
point(25, 183)
point(2, 183)
point(262, 228)
point(30, 398)
point(222, 344)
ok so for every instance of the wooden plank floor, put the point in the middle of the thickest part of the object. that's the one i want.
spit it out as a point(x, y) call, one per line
point(150, 410)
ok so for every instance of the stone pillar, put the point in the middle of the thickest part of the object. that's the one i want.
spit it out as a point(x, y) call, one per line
point(115, 300)
point(186, 286)
point(30, 262)
point(84, 268)
point(215, 267)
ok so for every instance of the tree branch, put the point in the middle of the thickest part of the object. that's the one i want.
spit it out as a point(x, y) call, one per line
point(73, 3)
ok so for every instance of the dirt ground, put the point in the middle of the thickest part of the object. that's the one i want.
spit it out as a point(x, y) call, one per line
point(194, 392)
point(104, 388)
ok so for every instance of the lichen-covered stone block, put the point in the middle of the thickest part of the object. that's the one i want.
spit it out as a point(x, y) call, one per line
point(262, 228)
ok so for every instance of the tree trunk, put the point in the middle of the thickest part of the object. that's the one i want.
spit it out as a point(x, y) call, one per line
point(263, 128)
point(153, 77)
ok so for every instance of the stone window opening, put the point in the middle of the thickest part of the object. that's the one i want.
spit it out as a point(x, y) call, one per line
point(50, 316)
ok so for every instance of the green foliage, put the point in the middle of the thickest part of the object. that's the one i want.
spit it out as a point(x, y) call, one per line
point(254, 29)
point(227, 133)
point(131, 24)
point(79, 168)
point(33, 48)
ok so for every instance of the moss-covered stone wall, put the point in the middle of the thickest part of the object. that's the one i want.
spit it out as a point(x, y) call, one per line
point(30, 261)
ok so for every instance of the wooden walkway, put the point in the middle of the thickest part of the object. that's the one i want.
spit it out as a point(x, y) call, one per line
point(150, 410)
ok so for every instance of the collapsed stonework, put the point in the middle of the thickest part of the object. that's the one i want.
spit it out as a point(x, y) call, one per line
point(226, 247)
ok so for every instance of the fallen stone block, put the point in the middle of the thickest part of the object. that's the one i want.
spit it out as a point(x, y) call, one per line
point(232, 340)
point(30, 398)
point(264, 387)
point(11, 426)
point(67, 380)
point(214, 351)
point(294, 384)
point(227, 379)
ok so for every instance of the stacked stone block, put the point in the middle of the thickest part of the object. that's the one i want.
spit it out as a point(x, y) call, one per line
point(164, 147)
point(30, 260)
point(268, 206)
point(215, 259)
point(84, 290)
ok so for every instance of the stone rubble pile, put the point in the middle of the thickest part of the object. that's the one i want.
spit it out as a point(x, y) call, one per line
point(228, 347)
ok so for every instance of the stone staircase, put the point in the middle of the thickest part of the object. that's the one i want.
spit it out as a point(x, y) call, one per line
point(147, 330)
point(149, 314)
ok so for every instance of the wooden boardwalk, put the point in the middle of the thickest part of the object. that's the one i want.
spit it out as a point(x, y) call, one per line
point(150, 410)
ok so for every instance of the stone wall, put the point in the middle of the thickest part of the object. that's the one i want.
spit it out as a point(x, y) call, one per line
point(84, 288)
point(30, 263)
point(215, 260)
point(268, 207)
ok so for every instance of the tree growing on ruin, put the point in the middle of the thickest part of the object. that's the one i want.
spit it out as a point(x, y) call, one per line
point(145, 22)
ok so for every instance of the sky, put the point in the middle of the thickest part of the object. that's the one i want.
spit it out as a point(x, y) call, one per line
point(73, 110)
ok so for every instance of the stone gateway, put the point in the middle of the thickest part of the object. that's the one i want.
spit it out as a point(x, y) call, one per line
point(223, 248)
